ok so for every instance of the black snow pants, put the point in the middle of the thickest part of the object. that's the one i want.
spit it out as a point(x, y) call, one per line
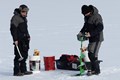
point(20, 66)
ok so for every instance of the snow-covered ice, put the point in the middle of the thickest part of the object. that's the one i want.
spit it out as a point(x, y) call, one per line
point(53, 25)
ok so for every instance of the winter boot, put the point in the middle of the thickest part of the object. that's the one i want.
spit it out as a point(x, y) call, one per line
point(18, 74)
point(89, 73)
point(97, 67)
point(28, 73)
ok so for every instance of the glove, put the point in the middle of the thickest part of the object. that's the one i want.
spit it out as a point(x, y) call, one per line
point(81, 37)
point(87, 34)
point(16, 43)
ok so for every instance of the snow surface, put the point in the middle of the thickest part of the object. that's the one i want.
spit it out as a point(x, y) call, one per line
point(53, 25)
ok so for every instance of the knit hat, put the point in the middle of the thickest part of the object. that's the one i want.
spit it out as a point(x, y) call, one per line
point(23, 8)
point(85, 9)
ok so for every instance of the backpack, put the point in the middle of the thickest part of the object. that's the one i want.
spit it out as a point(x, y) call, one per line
point(68, 62)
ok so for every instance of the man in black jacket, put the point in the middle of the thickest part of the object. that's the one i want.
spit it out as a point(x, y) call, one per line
point(21, 38)
point(93, 30)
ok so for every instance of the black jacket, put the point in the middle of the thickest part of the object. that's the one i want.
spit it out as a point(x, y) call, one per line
point(94, 25)
point(18, 26)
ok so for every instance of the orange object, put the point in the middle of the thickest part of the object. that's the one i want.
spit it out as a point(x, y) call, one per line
point(49, 63)
point(36, 52)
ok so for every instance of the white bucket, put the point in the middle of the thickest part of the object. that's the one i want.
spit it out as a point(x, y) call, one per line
point(34, 63)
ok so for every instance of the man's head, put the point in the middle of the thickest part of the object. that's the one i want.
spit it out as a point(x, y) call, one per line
point(23, 10)
point(86, 10)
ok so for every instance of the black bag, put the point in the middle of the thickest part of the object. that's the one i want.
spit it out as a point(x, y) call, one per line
point(68, 62)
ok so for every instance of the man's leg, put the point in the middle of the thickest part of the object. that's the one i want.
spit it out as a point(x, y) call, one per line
point(96, 64)
point(16, 63)
point(93, 55)
point(24, 52)
point(23, 66)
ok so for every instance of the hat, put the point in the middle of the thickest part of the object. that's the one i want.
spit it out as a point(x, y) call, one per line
point(85, 9)
point(23, 8)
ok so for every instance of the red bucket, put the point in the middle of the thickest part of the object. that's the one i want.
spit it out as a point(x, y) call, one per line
point(49, 63)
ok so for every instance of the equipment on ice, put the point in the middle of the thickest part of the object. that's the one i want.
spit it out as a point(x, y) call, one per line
point(81, 58)
point(49, 63)
point(68, 62)
point(82, 55)
point(34, 62)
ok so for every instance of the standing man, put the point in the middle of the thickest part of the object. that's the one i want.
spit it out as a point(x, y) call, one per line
point(93, 30)
point(21, 38)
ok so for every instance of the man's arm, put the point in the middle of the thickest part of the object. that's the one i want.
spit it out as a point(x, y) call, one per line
point(13, 29)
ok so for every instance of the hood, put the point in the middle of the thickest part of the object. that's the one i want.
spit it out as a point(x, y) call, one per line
point(17, 11)
point(95, 10)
